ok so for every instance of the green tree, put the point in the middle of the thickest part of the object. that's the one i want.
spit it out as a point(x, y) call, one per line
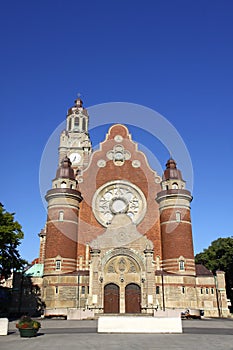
point(11, 235)
point(219, 256)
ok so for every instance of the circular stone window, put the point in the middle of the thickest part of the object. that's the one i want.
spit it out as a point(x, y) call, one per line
point(118, 197)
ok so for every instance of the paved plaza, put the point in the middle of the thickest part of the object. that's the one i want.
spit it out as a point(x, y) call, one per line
point(67, 335)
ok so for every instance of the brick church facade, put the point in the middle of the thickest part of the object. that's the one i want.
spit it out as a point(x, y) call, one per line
point(118, 236)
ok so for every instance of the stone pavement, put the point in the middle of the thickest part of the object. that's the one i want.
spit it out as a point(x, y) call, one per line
point(67, 335)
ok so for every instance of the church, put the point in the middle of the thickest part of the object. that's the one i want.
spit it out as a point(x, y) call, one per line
point(118, 236)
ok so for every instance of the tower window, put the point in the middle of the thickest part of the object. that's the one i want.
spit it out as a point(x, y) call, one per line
point(181, 265)
point(178, 216)
point(83, 290)
point(207, 290)
point(56, 289)
point(63, 184)
point(70, 124)
point(157, 289)
point(212, 290)
point(183, 290)
point(58, 265)
point(175, 186)
point(61, 216)
point(84, 124)
point(201, 290)
point(76, 122)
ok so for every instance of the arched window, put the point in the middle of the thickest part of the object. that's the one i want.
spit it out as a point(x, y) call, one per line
point(76, 123)
point(178, 216)
point(61, 216)
point(175, 186)
point(63, 184)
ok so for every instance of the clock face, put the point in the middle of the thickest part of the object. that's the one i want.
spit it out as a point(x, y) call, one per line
point(75, 158)
point(119, 197)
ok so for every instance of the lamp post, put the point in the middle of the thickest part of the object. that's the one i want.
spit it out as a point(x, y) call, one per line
point(78, 293)
point(163, 291)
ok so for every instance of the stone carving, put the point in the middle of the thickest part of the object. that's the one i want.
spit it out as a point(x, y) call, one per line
point(118, 138)
point(101, 163)
point(132, 268)
point(120, 197)
point(111, 268)
point(118, 154)
point(136, 163)
point(122, 265)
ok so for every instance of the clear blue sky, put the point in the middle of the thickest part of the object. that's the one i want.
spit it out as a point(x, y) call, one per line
point(175, 57)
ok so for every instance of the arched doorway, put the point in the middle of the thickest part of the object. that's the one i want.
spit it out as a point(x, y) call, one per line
point(132, 298)
point(111, 299)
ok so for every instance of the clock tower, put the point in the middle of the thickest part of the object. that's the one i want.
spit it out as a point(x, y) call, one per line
point(75, 141)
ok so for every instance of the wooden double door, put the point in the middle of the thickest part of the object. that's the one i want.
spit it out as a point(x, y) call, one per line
point(112, 298)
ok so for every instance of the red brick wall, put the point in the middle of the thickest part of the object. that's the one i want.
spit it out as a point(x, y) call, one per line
point(143, 177)
point(176, 236)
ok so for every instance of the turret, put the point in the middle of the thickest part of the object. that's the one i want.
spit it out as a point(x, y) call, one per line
point(62, 221)
point(175, 221)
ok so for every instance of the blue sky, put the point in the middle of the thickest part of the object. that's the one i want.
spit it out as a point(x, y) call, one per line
point(174, 57)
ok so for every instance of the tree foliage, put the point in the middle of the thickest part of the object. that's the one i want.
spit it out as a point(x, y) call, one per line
point(219, 256)
point(11, 235)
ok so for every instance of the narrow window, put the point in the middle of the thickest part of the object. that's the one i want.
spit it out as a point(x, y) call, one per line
point(207, 291)
point(167, 188)
point(58, 264)
point(183, 290)
point(87, 289)
point(76, 122)
point(181, 263)
point(70, 125)
point(61, 216)
point(56, 289)
point(178, 216)
point(157, 289)
point(84, 124)
point(174, 186)
point(201, 290)
point(83, 290)
point(212, 290)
